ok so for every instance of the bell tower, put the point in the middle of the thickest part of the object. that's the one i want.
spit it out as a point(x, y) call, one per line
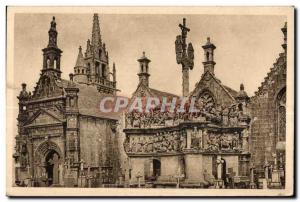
point(144, 70)
point(95, 69)
point(52, 54)
point(209, 63)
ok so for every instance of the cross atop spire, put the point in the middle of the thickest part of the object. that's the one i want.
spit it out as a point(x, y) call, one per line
point(96, 37)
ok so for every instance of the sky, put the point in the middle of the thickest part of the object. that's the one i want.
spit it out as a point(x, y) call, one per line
point(247, 47)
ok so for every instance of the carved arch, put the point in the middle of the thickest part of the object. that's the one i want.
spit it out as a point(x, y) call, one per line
point(44, 148)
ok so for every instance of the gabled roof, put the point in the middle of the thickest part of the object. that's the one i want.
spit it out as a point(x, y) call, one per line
point(232, 93)
point(158, 93)
point(153, 92)
point(89, 100)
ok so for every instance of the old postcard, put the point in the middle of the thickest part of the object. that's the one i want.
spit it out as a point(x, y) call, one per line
point(150, 101)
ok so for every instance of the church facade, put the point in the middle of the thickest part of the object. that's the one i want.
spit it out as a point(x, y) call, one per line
point(230, 140)
point(63, 140)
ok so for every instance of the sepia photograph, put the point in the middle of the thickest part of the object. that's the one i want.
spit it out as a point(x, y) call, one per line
point(150, 101)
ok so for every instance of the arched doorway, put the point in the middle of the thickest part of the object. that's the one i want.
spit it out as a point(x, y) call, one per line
point(48, 168)
point(52, 162)
point(156, 167)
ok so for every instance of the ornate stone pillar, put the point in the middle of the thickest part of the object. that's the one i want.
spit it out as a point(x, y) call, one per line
point(188, 138)
point(245, 138)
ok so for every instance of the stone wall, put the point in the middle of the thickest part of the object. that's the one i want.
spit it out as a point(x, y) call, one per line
point(264, 113)
point(98, 143)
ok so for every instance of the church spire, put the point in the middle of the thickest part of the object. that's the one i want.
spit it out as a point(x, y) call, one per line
point(144, 70)
point(80, 69)
point(96, 37)
point(209, 63)
point(80, 60)
point(52, 54)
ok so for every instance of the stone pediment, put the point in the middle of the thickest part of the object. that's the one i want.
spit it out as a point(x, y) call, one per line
point(222, 94)
point(142, 91)
point(48, 86)
point(44, 117)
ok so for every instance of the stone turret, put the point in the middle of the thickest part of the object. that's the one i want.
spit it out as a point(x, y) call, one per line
point(209, 63)
point(80, 69)
point(144, 70)
point(52, 54)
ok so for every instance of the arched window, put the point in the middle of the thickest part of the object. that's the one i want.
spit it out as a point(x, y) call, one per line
point(48, 63)
point(207, 56)
point(103, 70)
point(97, 68)
point(54, 64)
point(100, 53)
point(82, 71)
point(240, 107)
point(281, 115)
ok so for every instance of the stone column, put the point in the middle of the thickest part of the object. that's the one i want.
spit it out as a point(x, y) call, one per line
point(200, 139)
point(185, 81)
point(188, 138)
point(89, 177)
point(204, 139)
point(245, 140)
point(61, 177)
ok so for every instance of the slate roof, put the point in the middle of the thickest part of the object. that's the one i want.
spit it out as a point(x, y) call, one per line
point(234, 93)
point(89, 101)
point(159, 93)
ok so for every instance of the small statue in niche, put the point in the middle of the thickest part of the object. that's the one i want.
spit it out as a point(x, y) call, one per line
point(23, 155)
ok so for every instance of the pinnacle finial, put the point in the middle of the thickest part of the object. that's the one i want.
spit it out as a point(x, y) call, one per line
point(144, 54)
point(53, 23)
point(24, 86)
point(80, 49)
point(96, 38)
point(71, 76)
point(208, 39)
point(242, 87)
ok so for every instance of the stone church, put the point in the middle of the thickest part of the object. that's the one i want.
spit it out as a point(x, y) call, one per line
point(233, 141)
point(63, 139)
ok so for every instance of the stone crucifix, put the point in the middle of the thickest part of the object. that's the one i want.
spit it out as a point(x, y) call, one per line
point(184, 56)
